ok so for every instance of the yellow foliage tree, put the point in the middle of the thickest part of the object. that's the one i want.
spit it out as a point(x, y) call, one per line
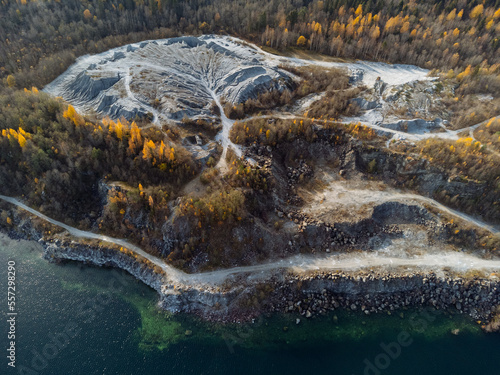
point(335, 27)
point(11, 81)
point(161, 150)
point(21, 140)
point(301, 41)
point(392, 23)
point(317, 28)
point(359, 10)
point(119, 130)
point(465, 73)
point(477, 11)
point(452, 15)
point(72, 115)
point(148, 149)
point(375, 32)
point(405, 28)
point(87, 14)
point(135, 140)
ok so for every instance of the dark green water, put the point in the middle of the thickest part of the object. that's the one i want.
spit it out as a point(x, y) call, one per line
point(102, 330)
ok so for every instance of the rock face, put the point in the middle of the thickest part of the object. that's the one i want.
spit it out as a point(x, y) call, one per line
point(167, 79)
point(385, 292)
point(102, 256)
point(428, 179)
point(306, 295)
point(399, 213)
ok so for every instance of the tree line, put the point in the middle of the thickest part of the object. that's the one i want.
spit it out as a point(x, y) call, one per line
point(56, 158)
point(40, 39)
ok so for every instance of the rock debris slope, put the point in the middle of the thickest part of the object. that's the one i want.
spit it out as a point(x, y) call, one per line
point(174, 78)
point(167, 79)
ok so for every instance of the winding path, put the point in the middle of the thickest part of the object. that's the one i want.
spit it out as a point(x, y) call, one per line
point(461, 262)
point(476, 222)
point(223, 135)
point(84, 234)
point(338, 191)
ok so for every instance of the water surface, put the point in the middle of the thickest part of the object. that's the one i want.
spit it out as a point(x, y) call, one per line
point(115, 328)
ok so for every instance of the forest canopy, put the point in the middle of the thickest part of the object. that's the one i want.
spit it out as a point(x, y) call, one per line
point(40, 39)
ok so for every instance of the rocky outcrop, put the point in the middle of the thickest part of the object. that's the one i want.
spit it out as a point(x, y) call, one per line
point(366, 104)
point(379, 86)
point(400, 213)
point(415, 126)
point(308, 295)
point(426, 178)
point(372, 293)
point(57, 251)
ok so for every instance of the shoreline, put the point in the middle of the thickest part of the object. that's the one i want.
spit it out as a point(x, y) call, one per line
point(308, 293)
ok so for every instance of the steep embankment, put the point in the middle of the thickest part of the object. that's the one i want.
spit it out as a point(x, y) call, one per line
point(459, 262)
point(372, 282)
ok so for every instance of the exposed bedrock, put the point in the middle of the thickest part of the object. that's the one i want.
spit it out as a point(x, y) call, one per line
point(416, 126)
point(379, 86)
point(101, 256)
point(310, 295)
point(306, 295)
point(426, 178)
point(205, 302)
point(246, 296)
point(400, 213)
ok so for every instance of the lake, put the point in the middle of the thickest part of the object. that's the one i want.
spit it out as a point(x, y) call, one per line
point(76, 319)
